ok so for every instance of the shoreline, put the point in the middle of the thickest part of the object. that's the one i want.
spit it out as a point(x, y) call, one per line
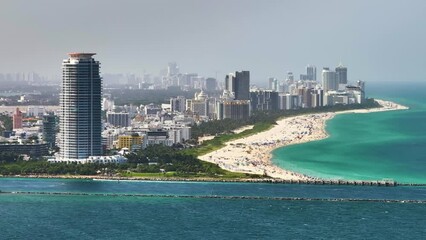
point(287, 131)
point(253, 154)
point(378, 183)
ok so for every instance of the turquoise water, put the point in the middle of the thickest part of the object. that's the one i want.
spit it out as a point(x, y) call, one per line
point(27, 216)
point(369, 146)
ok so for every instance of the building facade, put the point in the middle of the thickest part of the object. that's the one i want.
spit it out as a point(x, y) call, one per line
point(80, 108)
point(178, 104)
point(233, 109)
point(342, 74)
point(49, 130)
point(329, 80)
point(118, 119)
point(17, 119)
point(210, 84)
point(311, 73)
point(238, 84)
point(132, 142)
point(264, 100)
point(33, 150)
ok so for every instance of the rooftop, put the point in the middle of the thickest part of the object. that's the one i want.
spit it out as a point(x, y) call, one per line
point(81, 55)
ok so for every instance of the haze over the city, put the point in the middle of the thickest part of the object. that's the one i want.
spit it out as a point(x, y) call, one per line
point(378, 40)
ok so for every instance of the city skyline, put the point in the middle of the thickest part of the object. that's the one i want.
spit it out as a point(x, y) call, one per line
point(261, 37)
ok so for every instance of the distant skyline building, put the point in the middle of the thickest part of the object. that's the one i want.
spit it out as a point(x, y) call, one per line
point(273, 84)
point(311, 73)
point(172, 69)
point(210, 84)
point(80, 108)
point(238, 84)
point(17, 119)
point(329, 80)
point(290, 77)
point(342, 74)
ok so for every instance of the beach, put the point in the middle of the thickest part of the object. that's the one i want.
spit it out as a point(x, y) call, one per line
point(252, 154)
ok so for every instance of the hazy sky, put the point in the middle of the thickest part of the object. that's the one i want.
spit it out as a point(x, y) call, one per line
point(379, 40)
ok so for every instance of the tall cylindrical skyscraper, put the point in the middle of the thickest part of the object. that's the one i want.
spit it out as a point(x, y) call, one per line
point(80, 108)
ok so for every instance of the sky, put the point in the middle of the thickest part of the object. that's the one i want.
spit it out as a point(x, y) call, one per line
point(378, 40)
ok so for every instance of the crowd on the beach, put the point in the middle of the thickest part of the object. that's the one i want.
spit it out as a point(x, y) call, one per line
point(252, 154)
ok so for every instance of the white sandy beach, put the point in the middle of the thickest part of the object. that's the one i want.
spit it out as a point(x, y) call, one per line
point(252, 154)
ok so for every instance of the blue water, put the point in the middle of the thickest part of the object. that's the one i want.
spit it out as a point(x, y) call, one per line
point(375, 146)
point(26, 216)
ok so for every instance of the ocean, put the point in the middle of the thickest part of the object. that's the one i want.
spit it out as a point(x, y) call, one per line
point(374, 146)
point(361, 146)
point(121, 216)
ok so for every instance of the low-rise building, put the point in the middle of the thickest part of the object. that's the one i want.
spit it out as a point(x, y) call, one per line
point(132, 142)
point(33, 150)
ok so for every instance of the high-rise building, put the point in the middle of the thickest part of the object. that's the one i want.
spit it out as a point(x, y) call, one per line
point(17, 119)
point(264, 100)
point(329, 80)
point(303, 77)
point(290, 77)
point(233, 109)
point(342, 74)
point(177, 104)
point(49, 130)
point(361, 85)
point(273, 84)
point(238, 84)
point(210, 84)
point(289, 101)
point(118, 119)
point(200, 104)
point(306, 94)
point(80, 108)
point(311, 73)
point(172, 69)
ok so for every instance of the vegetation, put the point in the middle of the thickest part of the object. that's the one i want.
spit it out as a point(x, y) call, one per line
point(154, 161)
point(5, 123)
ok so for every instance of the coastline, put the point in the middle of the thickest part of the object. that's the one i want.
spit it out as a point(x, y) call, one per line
point(253, 154)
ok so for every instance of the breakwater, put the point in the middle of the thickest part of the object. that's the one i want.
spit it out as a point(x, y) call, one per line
point(265, 180)
point(380, 183)
point(218, 197)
